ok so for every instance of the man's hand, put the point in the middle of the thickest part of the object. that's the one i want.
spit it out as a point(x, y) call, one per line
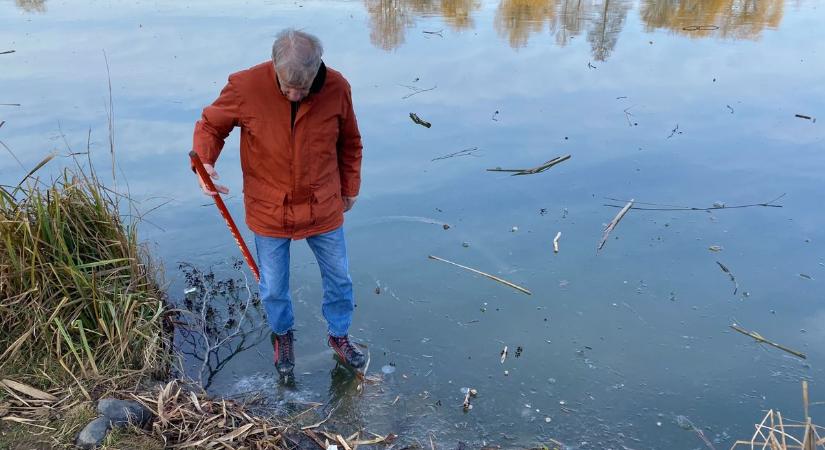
point(348, 202)
point(210, 169)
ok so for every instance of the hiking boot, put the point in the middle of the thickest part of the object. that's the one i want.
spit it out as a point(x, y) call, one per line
point(284, 353)
point(347, 351)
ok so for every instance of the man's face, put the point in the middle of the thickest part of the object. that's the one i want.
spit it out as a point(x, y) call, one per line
point(291, 92)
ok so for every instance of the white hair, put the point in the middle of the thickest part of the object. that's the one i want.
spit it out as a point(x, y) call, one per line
point(297, 56)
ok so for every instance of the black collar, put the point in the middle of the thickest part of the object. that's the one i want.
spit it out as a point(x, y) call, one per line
point(319, 80)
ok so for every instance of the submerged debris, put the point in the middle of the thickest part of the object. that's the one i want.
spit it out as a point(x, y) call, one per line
point(468, 393)
point(419, 121)
point(730, 274)
point(684, 423)
point(674, 131)
point(466, 152)
point(415, 90)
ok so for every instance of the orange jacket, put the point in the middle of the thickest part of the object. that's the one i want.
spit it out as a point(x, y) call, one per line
point(293, 179)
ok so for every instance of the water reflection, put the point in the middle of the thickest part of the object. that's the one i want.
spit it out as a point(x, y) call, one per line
point(736, 19)
point(607, 23)
point(516, 21)
point(31, 5)
point(389, 19)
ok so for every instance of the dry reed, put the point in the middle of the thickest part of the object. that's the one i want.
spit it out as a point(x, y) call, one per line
point(79, 299)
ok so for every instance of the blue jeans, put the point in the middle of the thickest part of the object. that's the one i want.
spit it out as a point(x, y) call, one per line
point(330, 251)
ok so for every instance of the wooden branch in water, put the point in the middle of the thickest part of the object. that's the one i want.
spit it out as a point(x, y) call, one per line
point(805, 401)
point(7, 52)
point(534, 170)
point(419, 121)
point(663, 207)
point(492, 277)
point(613, 223)
point(758, 337)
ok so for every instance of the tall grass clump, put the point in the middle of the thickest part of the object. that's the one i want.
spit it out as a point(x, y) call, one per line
point(79, 300)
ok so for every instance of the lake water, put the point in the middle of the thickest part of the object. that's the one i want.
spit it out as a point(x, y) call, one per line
point(688, 103)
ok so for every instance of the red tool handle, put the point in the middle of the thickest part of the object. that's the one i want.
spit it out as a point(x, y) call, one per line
point(198, 165)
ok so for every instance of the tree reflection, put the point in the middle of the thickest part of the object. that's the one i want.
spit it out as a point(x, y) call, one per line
point(571, 17)
point(31, 5)
point(737, 19)
point(606, 26)
point(517, 21)
point(458, 13)
point(389, 19)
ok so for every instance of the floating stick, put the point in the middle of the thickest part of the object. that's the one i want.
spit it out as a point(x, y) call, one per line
point(492, 277)
point(759, 338)
point(534, 170)
point(613, 223)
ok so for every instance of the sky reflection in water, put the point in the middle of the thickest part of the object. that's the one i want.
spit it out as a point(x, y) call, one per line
point(626, 339)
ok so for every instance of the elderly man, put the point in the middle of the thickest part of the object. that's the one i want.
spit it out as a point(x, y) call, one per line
point(301, 162)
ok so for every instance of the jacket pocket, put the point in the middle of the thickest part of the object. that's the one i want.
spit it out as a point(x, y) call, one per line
point(265, 207)
point(326, 203)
